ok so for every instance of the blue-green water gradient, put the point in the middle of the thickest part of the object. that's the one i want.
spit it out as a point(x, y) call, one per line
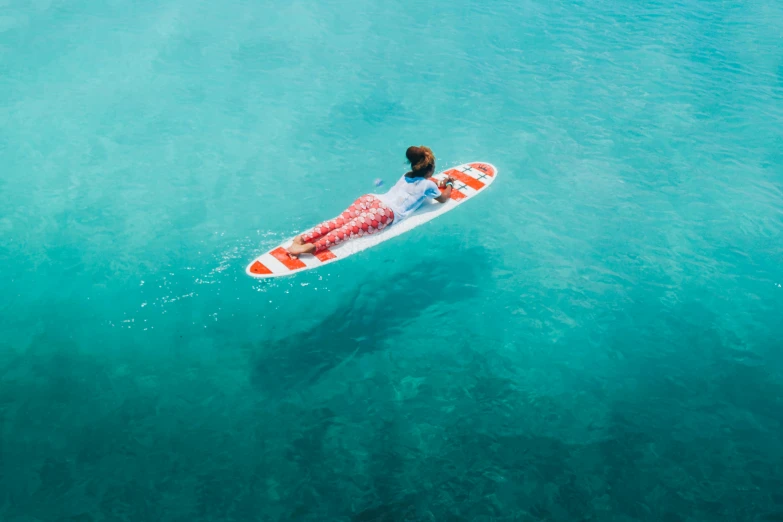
point(597, 337)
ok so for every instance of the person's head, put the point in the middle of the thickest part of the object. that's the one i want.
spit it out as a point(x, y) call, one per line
point(422, 162)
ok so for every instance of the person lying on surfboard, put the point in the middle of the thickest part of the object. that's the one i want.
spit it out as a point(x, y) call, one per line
point(372, 213)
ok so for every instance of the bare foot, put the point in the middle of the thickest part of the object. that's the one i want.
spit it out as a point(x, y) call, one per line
point(301, 248)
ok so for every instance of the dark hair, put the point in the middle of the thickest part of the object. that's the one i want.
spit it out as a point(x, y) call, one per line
point(422, 162)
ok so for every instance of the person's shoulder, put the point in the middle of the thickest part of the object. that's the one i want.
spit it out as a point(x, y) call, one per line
point(422, 182)
point(430, 188)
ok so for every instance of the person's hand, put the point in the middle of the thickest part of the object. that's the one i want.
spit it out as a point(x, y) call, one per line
point(443, 182)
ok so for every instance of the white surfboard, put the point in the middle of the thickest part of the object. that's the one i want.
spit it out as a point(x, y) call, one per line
point(470, 180)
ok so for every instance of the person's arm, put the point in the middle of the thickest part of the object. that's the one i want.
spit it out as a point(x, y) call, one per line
point(446, 194)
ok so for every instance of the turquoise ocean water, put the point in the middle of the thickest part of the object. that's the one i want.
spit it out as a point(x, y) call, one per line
point(596, 338)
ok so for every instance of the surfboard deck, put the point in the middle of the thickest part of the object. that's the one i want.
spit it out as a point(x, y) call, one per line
point(470, 180)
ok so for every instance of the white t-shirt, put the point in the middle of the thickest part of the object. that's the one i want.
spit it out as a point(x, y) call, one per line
point(407, 195)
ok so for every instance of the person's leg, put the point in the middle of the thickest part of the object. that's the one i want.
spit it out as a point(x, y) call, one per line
point(366, 216)
point(373, 217)
point(304, 243)
point(382, 216)
point(324, 228)
point(335, 237)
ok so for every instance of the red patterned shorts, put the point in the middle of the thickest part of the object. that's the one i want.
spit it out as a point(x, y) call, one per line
point(366, 216)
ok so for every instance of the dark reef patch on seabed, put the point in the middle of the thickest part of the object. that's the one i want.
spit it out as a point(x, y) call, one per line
point(377, 309)
point(672, 447)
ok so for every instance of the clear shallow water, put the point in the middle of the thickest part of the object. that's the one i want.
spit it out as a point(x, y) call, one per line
point(596, 338)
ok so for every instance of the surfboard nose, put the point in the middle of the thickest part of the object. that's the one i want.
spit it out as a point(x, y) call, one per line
point(486, 168)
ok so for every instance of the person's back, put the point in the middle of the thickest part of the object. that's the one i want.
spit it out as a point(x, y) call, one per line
point(408, 194)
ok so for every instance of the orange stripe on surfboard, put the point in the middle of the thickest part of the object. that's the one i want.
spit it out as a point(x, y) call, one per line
point(325, 255)
point(282, 255)
point(456, 195)
point(259, 268)
point(467, 180)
